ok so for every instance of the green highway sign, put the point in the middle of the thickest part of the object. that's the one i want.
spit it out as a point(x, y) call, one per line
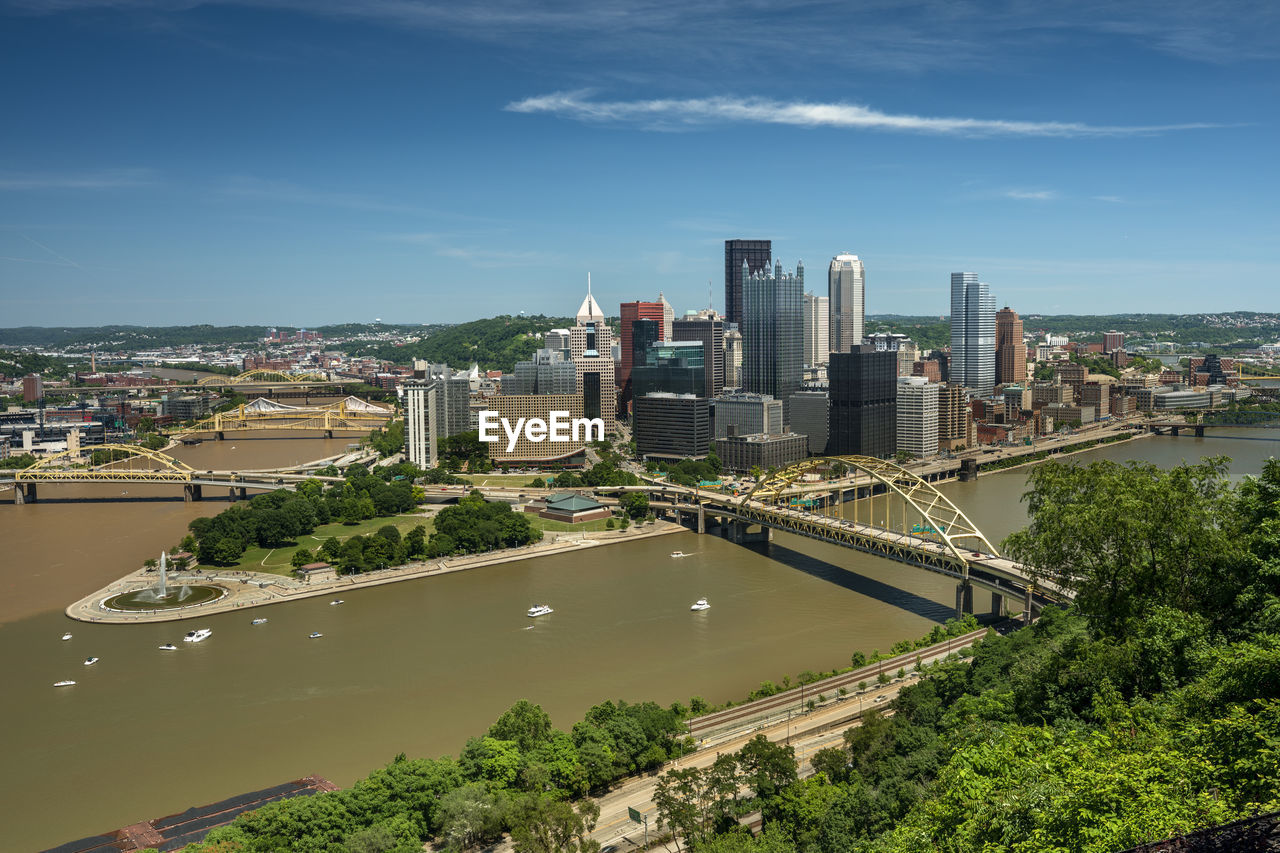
point(635, 815)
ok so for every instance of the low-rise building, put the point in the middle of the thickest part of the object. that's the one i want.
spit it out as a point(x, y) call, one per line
point(744, 452)
point(569, 507)
point(671, 425)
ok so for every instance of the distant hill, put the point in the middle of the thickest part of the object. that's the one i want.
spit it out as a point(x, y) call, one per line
point(495, 344)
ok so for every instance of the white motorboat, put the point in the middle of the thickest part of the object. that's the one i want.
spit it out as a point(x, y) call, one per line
point(90, 661)
point(680, 554)
point(258, 621)
point(336, 602)
point(168, 647)
point(66, 683)
point(315, 635)
point(540, 610)
point(66, 636)
point(700, 604)
point(198, 635)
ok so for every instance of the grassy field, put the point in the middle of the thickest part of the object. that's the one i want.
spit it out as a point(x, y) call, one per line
point(276, 561)
point(550, 525)
point(507, 480)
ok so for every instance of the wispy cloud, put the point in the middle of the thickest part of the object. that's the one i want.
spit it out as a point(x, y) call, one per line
point(481, 254)
point(106, 179)
point(673, 113)
point(1031, 195)
point(1111, 199)
point(248, 187)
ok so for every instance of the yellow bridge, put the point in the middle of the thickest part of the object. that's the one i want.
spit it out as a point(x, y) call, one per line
point(128, 463)
point(882, 509)
point(350, 414)
point(261, 377)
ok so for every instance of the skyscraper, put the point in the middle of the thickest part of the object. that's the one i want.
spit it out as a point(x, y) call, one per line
point(773, 332)
point(591, 351)
point(757, 255)
point(1011, 350)
point(846, 288)
point(817, 330)
point(973, 333)
point(863, 401)
point(708, 327)
point(630, 313)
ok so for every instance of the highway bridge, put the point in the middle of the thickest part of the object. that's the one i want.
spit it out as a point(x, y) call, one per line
point(139, 465)
point(347, 415)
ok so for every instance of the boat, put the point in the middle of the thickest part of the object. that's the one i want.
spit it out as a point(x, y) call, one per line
point(169, 647)
point(66, 636)
point(258, 621)
point(197, 635)
point(700, 604)
point(315, 635)
point(680, 554)
point(336, 601)
point(90, 661)
point(66, 683)
point(540, 610)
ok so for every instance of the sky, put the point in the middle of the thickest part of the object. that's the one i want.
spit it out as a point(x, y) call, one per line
point(302, 162)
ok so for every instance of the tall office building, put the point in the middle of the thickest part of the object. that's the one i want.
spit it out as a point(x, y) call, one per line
point(817, 330)
point(591, 351)
point(706, 326)
point(773, 332)
point(846, 288)
point(1112, 341)
point(810, 417)
point(747, 414)
point(1011, 350)
point(756, 254)
point(673, 367)
point(863, 401)
point(668, 315)
point(973, 333)
point(630, 313)
point(732, 358)
point(917, 416)
point(434, 408)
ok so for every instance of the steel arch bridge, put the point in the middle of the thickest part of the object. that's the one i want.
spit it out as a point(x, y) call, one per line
point(342, 416)
point(940, 520)
point(158, 467)
point(259, 375)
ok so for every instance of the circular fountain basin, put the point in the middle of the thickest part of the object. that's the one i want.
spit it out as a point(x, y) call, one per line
point(173, 599)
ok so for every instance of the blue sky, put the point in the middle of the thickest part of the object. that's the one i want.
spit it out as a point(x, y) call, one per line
point(312, 161)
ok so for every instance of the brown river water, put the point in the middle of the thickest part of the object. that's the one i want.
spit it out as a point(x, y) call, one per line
point(415, 667)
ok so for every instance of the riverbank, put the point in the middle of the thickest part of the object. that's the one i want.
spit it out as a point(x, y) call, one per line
point(246, 589)
point(1091, 443)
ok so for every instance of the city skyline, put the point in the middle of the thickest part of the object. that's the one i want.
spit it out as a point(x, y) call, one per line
point(271, 163)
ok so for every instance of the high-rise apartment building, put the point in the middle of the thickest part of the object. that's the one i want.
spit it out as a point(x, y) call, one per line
point(757, 255)
point(1112, 341)
point(917, 416)
point(708, 327)
point(773, 332)
point(955, 418)
point(846, 288)
point(434, 408)
point(1011, 350)
point(973, 333)
point(863, 396)
point(817, 329)
point(631, 312)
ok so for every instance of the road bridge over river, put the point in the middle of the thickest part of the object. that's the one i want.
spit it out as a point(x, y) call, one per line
point(883, 509)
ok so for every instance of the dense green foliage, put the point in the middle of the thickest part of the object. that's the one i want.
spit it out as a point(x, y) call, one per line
point(14, 363)
point(515, 777)
point(475, 526)
point(21, 460)
point(388, 441)
point(495, 344)
point(689, 472)
point(599, 474)
point(131, 337)
point(278, 518)
point(465, 451)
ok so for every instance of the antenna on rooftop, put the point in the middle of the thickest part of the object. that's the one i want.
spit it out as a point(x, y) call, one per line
point(709, 306)
point(588, 284)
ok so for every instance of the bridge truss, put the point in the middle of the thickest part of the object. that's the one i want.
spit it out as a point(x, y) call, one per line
point(258, 375)
point(925, 518)
point(349, 414)
point(136, 464)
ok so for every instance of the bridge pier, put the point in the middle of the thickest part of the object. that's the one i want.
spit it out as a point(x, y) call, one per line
point(192, 492)
point(736, 532)
point(964, 598)
point(968, 469)
point(328, 433)
point(1174, 431)
point(997, 605)
point(702, 519)
point(1199, 432)
point(1027, 604)
point(219, 436)
point(24, 493)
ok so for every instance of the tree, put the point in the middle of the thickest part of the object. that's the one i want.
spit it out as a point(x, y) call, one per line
point(301, 557)
point(634, 504)
point(524, 723)
point(767, 767)
point(542, 824)
point(471, 814)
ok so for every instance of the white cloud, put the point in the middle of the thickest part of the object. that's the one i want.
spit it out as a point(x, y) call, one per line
point(672, 113)
point(106, 179)
point(1113, 199)
point(1031, 195)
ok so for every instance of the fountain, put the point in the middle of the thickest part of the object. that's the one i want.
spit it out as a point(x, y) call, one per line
point(160, 597)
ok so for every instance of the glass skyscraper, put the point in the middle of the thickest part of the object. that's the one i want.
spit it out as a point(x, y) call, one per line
point(973, 333)
point(756, 254)
point(773, 333)
point(846, 289)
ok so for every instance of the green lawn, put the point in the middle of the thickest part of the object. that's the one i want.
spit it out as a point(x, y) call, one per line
point(276, 561)
point(551, 525)
point(507, 480)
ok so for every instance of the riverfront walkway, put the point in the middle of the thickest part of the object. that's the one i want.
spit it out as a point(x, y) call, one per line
point(257, 589)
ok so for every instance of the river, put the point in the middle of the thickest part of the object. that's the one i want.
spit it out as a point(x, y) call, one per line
point(415, 667)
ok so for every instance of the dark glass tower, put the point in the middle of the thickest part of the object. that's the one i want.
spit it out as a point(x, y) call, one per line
point(709, 330)
point(757, 254)
point(773, 334)
point(864, 403)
